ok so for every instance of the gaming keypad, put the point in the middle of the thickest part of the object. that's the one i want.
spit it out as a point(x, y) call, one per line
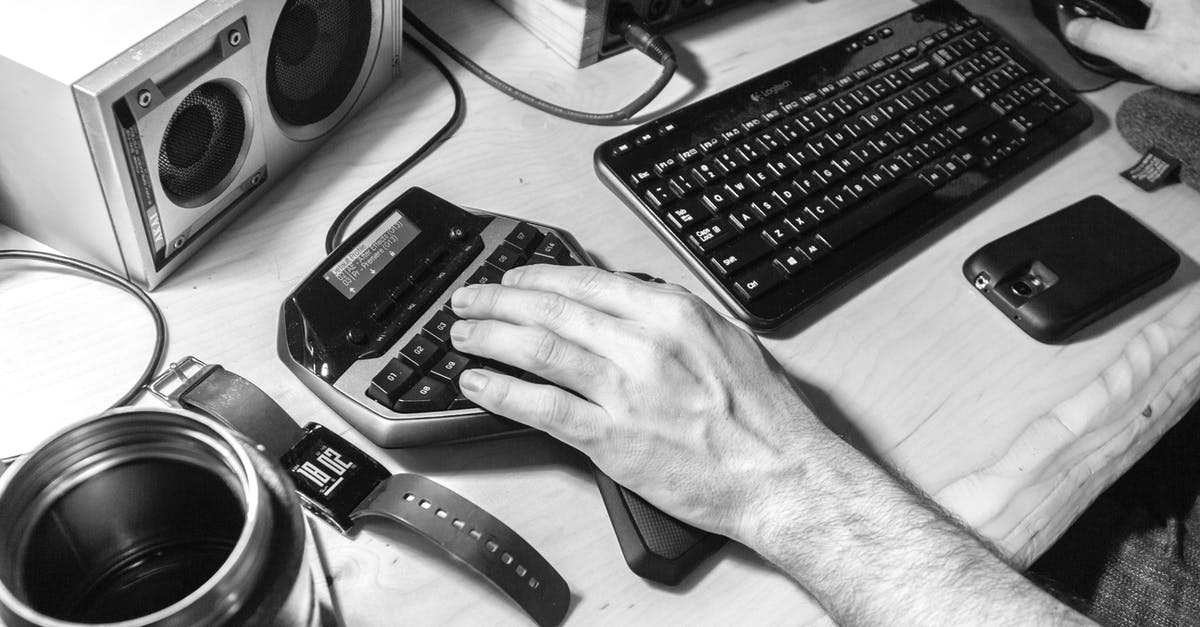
point(369, 329)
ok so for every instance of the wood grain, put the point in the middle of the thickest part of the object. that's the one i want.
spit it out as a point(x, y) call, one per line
point(1014, 437)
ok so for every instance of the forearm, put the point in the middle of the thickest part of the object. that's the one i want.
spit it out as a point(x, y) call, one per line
point(874, 553)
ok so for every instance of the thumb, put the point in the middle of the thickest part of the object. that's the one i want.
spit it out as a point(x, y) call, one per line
point(1127, 47)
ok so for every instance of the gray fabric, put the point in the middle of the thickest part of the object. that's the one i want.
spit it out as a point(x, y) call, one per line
point(1133, 558)
point(1168, 120)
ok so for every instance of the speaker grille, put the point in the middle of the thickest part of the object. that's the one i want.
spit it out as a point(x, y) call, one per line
point(201, 145)
point(317, 53)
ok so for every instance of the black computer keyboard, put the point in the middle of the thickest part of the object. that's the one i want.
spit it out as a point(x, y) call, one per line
point(368, 331)
point(789, 185)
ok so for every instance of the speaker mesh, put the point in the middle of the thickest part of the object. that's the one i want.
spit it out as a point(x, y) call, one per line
point(201, 144)
point(317, 52)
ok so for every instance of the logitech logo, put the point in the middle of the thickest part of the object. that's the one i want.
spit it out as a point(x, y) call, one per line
point(770, 91)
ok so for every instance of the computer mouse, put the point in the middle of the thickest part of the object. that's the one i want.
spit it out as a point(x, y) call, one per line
point(1055, 14)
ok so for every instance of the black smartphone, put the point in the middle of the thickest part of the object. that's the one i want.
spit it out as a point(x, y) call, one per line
point(1057, 275)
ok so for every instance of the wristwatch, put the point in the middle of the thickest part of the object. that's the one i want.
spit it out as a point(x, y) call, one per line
point(341, 484)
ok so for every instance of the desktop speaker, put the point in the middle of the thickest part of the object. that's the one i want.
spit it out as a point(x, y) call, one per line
point(134, 130)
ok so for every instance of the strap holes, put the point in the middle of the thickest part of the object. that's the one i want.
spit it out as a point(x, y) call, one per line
point(409, 496)
point(521, 570)
point(458, 523)
point(492, 546)
point(506, 558)
point(441, 513)
point(534, 583)
point(425, 504)
point(474, 533)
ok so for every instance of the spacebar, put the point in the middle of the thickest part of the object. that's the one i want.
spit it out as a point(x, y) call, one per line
point(854, 222)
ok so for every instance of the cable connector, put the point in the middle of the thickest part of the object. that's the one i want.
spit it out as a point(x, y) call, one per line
point(638, 35)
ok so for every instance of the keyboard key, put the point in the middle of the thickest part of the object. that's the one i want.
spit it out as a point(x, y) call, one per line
point(717, 200)
point(779, 232)
point(790, 262)
point(684, 216)
point(485, 275)
point(552, 247)
point(421, 352)
point(707, 238)
point(439, 325)
point(427, 394)
point(451, 366)
point(660, 195)
point(505, 257)
point(741, 253)
point(387, 386)
point(683, 185)
point(742, 218)
point(757, 282)
point(704, 173)
point(524, 237)
point(814, 248)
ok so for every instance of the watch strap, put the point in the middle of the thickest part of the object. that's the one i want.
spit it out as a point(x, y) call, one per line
point(475, 537)
point(216, 392)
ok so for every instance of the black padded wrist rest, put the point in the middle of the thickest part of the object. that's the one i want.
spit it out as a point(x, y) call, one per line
point(656, 546)
point(1167, 120)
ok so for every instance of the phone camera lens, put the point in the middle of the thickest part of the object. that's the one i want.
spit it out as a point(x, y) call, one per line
point(1022, 289)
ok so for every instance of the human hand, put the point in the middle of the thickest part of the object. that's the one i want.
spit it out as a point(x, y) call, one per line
point(1166, 52)
point(671, 400)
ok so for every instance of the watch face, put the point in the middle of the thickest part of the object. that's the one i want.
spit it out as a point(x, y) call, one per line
point(332, 475)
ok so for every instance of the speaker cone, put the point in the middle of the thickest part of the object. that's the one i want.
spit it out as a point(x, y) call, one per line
point(317, 52)
point(201, 145)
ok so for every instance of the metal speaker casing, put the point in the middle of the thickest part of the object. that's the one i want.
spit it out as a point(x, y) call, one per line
point(136, 130)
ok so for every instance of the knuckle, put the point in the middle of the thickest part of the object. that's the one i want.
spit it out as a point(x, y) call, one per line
point(588, 282)
point(498, 392)
point(552, 308)
point(546, 349)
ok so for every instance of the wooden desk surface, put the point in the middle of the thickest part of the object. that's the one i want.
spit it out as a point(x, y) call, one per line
point(1013, 436)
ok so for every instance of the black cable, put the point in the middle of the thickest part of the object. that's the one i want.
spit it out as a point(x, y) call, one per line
point(334, 235)
point(160, 325)
point(635, 33)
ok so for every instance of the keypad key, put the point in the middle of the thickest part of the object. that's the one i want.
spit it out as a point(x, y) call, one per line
point(524, 237)
point(757, 282)
point(484, 275)
point(421, 352)
point(439, 325)
point(387, 386)
point(450, 366)
point(505, 257)
point(552, 247)
point(427, 394)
